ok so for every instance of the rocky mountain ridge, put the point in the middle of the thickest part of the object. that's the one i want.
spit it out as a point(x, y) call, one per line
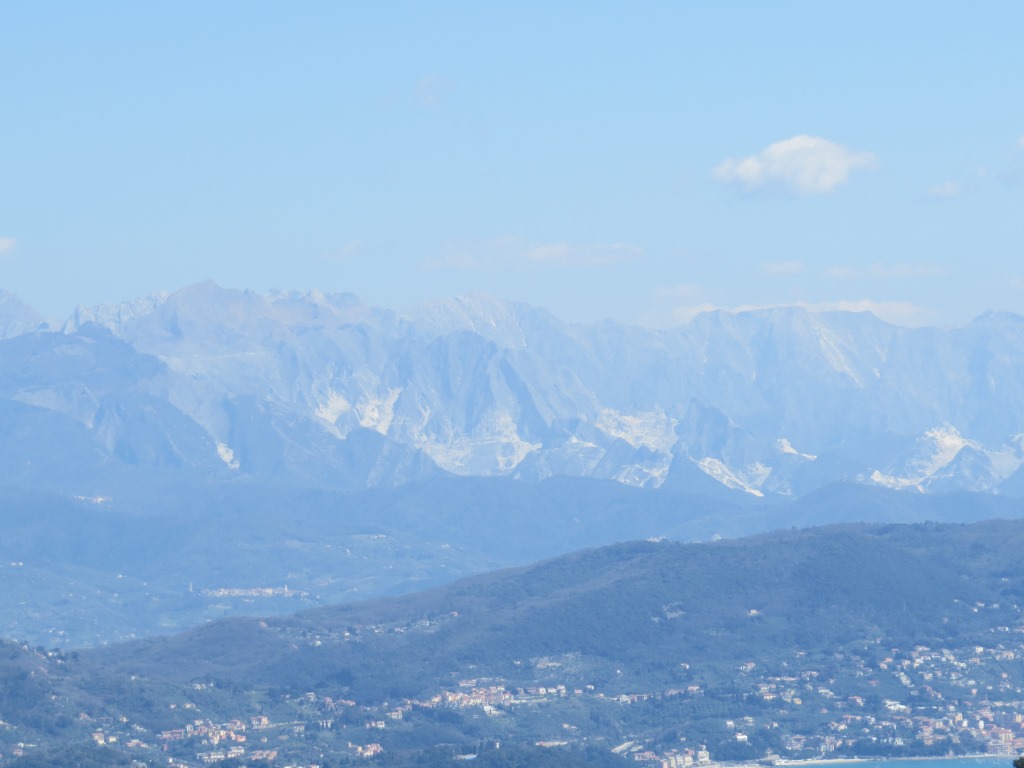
point(320, 389)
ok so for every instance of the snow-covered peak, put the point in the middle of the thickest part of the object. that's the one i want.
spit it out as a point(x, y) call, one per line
point(942, 459)
point(787, 448)
point(934, 451)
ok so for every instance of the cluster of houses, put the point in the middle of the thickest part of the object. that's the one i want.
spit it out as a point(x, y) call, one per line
point(908, 700)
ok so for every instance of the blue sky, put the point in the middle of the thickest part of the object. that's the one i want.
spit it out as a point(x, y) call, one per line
point(637, 161)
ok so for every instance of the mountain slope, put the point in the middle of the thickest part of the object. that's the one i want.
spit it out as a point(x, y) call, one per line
point(642, 606)
point(16, 317)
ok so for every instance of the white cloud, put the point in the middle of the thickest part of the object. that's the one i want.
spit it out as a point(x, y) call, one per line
point(895, 312)
point(510, 251)
point(886, 272)
point(945, 189)
point(803, 164)
point(6, 244)
point(783, 268)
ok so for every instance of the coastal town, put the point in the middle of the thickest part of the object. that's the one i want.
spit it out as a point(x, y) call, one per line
point(890, 702)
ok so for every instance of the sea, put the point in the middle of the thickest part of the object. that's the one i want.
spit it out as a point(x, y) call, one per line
point(988, 761)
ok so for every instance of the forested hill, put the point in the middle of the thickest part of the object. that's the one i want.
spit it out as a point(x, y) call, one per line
point(912, 630)
point(644, 606)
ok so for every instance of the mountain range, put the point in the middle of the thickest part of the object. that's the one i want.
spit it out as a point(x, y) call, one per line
point(321, 390)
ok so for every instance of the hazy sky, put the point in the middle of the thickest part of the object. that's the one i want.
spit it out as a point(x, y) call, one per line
point(637, 161)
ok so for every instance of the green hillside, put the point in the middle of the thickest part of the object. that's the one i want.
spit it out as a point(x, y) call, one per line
point(751, 647)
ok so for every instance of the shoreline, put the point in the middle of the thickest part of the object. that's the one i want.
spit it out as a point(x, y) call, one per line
point(840, 760)
point(847, 760)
